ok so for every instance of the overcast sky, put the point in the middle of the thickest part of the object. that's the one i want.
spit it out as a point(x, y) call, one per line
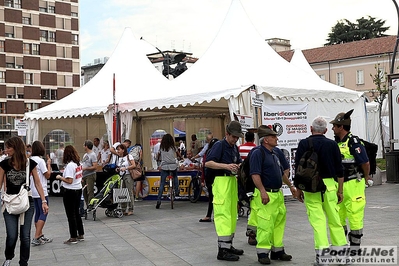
point(191, 25)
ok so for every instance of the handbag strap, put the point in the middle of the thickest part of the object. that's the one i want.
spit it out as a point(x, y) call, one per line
point(27, 173)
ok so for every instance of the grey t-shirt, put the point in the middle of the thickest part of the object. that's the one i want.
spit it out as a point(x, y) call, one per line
point(87, 161)
point(168, 160)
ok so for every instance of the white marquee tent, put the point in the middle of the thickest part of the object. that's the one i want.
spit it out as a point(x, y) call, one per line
point(238, 59)
point(216, 85)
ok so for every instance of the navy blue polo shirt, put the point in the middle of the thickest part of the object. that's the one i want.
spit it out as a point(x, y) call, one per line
point(272, 167)
point(222, 152)
point(330, 161)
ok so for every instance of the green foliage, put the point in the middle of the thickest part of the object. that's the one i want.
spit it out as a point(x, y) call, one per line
point(381, 163)
point(345, 31)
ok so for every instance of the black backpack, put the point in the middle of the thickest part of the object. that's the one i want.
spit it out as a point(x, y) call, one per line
point(245, 183)
point(307, 176)
point(371, 150)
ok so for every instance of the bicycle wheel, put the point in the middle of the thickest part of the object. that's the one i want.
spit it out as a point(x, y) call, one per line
point(194, 190)
point(172, 192)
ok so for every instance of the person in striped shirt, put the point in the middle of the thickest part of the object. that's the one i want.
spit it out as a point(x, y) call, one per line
point(247, 146)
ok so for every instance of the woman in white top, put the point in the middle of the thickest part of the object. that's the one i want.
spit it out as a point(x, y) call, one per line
point(72, 183)
point(44, 172)
point(104, 154)
point(125, 163)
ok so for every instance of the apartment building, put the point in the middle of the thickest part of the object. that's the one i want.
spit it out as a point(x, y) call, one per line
point(39, 56)
point(352, 65)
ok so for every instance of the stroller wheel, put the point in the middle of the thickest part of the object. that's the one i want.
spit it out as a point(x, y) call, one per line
point(118, 213)
point(248, 212)
point(108, 213)
point(94, 215)
point(241, 212)
point(85, 214)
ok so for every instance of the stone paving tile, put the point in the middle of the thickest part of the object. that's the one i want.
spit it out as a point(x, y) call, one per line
point(175, 237)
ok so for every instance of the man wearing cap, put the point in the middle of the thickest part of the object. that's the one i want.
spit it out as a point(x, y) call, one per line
point(356, 171)
point(268, 168)
point(224, 160)
point(322, 206)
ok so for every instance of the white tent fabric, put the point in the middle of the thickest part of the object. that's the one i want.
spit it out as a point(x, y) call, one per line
point(237, 59)
point(133, 74)
point(299, 60)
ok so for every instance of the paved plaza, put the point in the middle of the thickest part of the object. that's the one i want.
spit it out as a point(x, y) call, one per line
point(175, 237)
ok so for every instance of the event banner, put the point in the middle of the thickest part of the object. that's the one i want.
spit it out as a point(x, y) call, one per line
point(290, 121)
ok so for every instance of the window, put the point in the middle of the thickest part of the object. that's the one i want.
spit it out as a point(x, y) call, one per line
point(10, 61)
point(26, 48)
point(43, 35)
point(75, 39)
point(35, 49)
point(359, 77)
point(322, 76)
point(43, 6)
point(17, 3)
point(10, 91)
point(28, 78)
point(26, 20)
point(19, 62)
point(31, 107)
point(43, 9)
point(1, 46)
point(49, 94)
point(340, 79)
point(9, 31)
point(51, 36)
point(12, 3)
point(8, 3)
point(51, 9)
point(2, 77)
point(74, 14)
point(2, 108)
point(20, 93)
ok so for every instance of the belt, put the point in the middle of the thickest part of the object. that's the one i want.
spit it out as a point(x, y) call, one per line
point(273, 190)
point(351, 177)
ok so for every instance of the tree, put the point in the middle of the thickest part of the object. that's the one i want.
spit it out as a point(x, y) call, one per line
point(345, 31)
point(379, 94)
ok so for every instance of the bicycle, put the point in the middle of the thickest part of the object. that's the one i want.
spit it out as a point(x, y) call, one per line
point(196, 187)
point(171, 189)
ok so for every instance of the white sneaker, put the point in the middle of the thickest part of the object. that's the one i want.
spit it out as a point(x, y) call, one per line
point(7, 263)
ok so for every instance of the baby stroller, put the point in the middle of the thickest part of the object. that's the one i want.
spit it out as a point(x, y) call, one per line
point(105, 198)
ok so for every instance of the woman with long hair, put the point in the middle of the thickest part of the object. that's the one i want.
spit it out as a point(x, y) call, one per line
point(125, 163)
point(44, 172)
point(13, 175)
point(168, 155)
point(72, 183)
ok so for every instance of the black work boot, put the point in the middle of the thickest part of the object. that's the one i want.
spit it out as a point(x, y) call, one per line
point(280, 255)
point(263, 258)
point(224, 254)
point(235, 251)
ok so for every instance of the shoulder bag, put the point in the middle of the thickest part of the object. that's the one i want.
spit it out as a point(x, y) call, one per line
point(17, 203)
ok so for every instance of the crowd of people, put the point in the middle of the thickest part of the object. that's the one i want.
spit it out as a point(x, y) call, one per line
point(344, 169)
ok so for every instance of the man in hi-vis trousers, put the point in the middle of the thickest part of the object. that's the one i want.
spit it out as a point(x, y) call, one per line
point(356, 173)
point(268, 169)
point(224, 162)
point(322, 207)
